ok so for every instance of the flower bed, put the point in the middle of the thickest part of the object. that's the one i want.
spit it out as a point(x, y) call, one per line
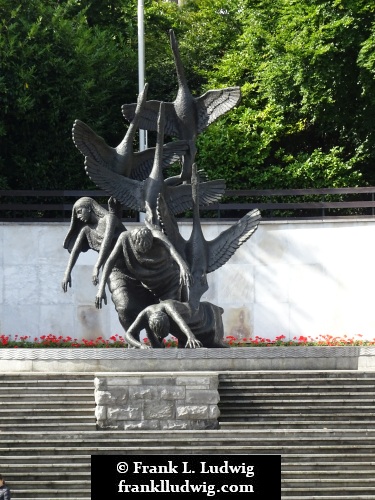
point(280, 341)
point(53, 341)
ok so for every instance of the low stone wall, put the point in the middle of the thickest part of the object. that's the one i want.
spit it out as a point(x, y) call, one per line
point(157, 401)
point(186, 360)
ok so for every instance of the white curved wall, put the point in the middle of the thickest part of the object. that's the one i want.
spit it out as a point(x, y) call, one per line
point(292, 278)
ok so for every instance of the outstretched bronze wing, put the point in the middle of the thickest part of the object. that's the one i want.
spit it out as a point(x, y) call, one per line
point(223, 247)
point(131, 192)
point(210, 106)
point(127, 191)
point(215, 103)
point(91, 144)
point(149, 117)
point(135, 165)
point(178, 198)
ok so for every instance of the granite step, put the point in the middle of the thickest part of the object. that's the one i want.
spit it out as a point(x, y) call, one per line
point(65, 490)
point(328, 466)
point(284, 376)
point(311, 383)
point(311, 496)
point(47, 376)
point(342, 459)
point(305, 407)
point(237, 418)
point(45, 403)
point(343, 492)
point(333, 476)
point(56, 426)
point(177, 447)
point(6, 419)
point(295, 424)
point(186, 450)
point(186, 435)
point(349, 400)
point(310, 380)
point(38, 399)
point(366, 392)
point(35, 460)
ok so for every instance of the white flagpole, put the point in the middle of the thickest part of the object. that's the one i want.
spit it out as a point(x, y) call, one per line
point(141, 66)
point(141, 77)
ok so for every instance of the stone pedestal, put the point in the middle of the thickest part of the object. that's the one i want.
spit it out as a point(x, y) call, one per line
point(149, 401)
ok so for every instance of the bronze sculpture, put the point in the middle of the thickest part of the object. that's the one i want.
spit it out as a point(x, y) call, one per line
point(156, 278)
point(204, 256)
point(187, 116)
point(93, 227)
point(192, 327)
point(135, 194)
point(150, 258)
point(123, 160)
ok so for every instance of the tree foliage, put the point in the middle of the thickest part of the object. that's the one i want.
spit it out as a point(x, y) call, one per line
point(306, 69)
point(55, 68)
point(305, 118)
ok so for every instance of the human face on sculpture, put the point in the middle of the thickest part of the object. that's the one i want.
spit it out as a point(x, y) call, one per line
point(83, 213)
point(143, 240)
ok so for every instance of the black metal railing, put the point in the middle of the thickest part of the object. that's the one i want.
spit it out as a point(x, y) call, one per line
point(48, 205)
point(296, 203)
point(56, 206)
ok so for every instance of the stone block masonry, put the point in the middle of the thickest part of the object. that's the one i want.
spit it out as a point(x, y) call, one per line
point(149, 401)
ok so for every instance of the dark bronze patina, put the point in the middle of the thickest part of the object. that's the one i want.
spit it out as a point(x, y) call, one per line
point(156, 278)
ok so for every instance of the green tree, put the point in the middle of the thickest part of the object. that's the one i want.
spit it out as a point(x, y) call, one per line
point(306, 72)
point(55, 68)
point(306, 69)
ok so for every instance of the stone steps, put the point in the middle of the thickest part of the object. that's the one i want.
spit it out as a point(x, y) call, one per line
point(331, 415)
point(172, 442)
point(43, 401)
point(327, 452)
point(33, 407)
point(38, 399)
point(288, 419)
point(263, 423)
point(296, 396)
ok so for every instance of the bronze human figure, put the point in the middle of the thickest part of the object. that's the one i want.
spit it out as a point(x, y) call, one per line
point(156, 277)
point(93, 227)
point(201, 327)
point(148, 257)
